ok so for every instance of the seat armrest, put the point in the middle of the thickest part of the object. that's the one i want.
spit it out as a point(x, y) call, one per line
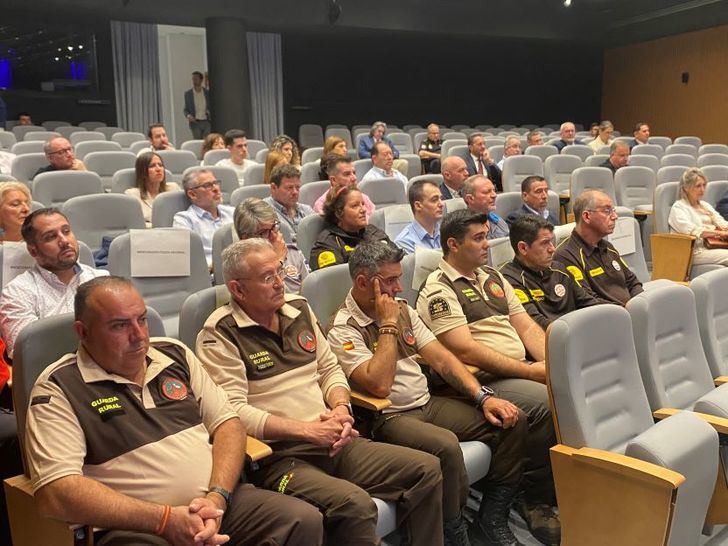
point(720, 424)
point(369, 402)
point(672, 256)
point(256, 450)
point(720, 380)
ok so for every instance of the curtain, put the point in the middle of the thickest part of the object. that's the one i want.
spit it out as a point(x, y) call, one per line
point(266, 84)
point(136, 75)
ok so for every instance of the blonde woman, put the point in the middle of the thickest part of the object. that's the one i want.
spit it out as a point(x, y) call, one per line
point(288, 147)
point(15, 206)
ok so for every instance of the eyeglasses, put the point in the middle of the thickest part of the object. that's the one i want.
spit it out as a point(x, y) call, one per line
point(279, 275)
point(207, 185)
point(609, 211)
point(61, 151)
point(266, 233)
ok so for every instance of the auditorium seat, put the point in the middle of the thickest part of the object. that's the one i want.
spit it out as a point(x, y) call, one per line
point(20, 130)
point(66, 132)
point(384, 192)
point(401, 141)
point(55, 188)
point(518, 167)
point(682, 160)
point(91, 125)
point(43, 136)
point(311, 191)
point(715, 172)
point(392, 220)
point(83, 136)
point(107, 164)
point(308, 231)
point(695, 141)
point(126, 139)
point(660, 141)
point(713, 149)
point(309, 173)
point(253, 174)
point(361, 167)
point(311, 154)
point(634, 187)
point(543, 151)
point(558, 169)
point(177, 161)
point(688, 149)
point(712, 159)
point(25, 166)
point(213, 156)
point(580, 150)
point(194, 146)
point(52, 125)
point(425, 262)
point(449, 147)
point(7, 140)
point(414, 164)
point(648, 149)
point(82, 149)
point(648, 161)
point(241, 194)
point(166, 205)
point(596, 160)
point(310, 135)
point(670, 174)
point(592, 178)
point(27, 147)
point(620, 478)
point(108, 132)
point(711, 312)
point(262, 155)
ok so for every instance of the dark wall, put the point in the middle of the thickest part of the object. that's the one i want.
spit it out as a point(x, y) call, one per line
point(65, 106)
point(411, 78)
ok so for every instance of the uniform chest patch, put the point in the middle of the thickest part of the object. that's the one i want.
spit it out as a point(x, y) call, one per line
point(471, 294)
point(291, 271)
point(559, 290)
point(261, 360)
point(575, 272)
point(307, 341)
point(173, 389)
point(616, 266)
point(438, 308)
point(596, 271)
point(326, 258)
point(408, 336)
point(108, 406)
point(521, 295)
point(495, 289)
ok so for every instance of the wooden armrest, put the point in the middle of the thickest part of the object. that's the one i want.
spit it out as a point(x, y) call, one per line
point(256, 450)
point(643, 213)
point(720, 424)
point(672, 256)
point(720, 380)
point(628, 467)
point(369, 402)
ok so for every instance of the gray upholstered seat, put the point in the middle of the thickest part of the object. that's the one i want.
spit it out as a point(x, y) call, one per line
point(56, 187)
point(582, 151)
point(177, 161)
point(194, 146)
point(82, 149)
point(384, 192)
point(649, 161)
point(392, 220)
point(107, 164)
point(649, 149)
point(542, 150)
point(310, 192)
point(126, 139)
point(712, 310)
point(260, 191)
point(85, 136)
point(310, 135)
point(518, 167)
point(635, 187)
point(308, 231)
point(427, 260)
point(166, 205)
point(361, 167)
point(558, 169)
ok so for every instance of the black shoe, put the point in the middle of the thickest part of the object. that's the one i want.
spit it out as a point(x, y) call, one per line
point(491, 527)
point(542, 521)
point(456, 532)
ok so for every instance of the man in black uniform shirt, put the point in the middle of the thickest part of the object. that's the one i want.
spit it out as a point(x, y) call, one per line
point(429, 151)
point(618, 156)
point(593, 261)
point(543, 287)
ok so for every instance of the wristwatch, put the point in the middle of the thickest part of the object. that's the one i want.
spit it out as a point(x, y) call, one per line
point(483, 394)
point(224, 493)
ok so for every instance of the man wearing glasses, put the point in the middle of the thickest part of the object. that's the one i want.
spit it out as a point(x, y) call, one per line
point(59, 153)
point(205, 214)
point(592, 260)
point(266, 350)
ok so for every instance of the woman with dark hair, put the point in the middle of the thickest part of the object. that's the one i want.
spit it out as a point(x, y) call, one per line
point(150, 182)
point(346, 226)
point(213, 141)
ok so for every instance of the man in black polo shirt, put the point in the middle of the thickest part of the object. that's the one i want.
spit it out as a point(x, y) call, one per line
point(593, 261)
point(542, 285)
point(618, 156)
point(429, 151)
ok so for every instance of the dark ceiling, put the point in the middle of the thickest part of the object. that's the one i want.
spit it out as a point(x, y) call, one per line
point(600, 22)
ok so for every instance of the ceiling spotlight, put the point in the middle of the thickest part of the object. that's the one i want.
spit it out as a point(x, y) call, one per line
point(567, 3)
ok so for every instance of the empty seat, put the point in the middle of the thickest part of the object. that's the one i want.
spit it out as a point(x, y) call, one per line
point(262, 155)
point(43, 136)
point(596, 160)
point(107, 164)
point(310, 172)
point(711, 312)
point(177, 161)
point(325, 289)
point(166, 205)
point(93, 216)
point(83, 136)
point(384, 191)
point(25, 166)
point(693, 140)
point(55, 188)
point(592, 178)
point(712, 159)
point(361, 167)
point(688, 149)
point(683, 160)
point(518, 167)
point(253, 174)
point(20, 130)
point(194, 146)
point(648, 149)
point(558, 169)
point(7, 140)
point(660, 141)
point(715, 172)
point(27, 147)
point(393, 219)
point(402, 142)
point(669, 174)
point(311, 154)
point(254, 146)
point(713, 149)
point(449, 145)
point(635, 187)
point(648, 161)
point(241, 194)
point(580, 150)
point(310, 192)
point(126, 139)
point(542, 150)
point(507, 202)
point(414, 164)
point(82, 149)
point(213, 156)
point(108, 132)
point(310, 135)
point(91, 125)
point(66, 132)
point(52, 125)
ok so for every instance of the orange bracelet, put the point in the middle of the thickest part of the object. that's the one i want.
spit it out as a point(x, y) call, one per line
point(165, 519)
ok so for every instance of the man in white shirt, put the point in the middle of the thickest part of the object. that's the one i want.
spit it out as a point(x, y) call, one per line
point(382, 162)
point(197, 107)
point(49, 287)
point(511, 147)
point(205, 214)
point(158, 139)
point(237, 143)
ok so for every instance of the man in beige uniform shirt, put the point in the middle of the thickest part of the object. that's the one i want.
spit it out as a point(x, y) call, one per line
point(475, 313)
point(266, 350)
point(118, 437)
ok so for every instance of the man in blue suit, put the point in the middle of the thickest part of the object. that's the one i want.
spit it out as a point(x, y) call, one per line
point(535, 194)
point(197, 107)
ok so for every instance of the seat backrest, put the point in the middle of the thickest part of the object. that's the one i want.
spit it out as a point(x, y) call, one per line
point(361, 167)
point(688, 149)
point(66, 132)
point(108, 163)
point(454, 135)
point(254, 174)
point(126, 139)
point(384, 191)
point(713, 149)
point(456, 203)
point(241, 194)
point(634, 186)
point(660, 141)
point(326, 289)
point(496, 152)
point(713, 172)
point(7, 139)
point(310, 135)
point(223, 237)
point(712, 159)
point(108, 132)
point(715, 191)
point(393, 219)
point(581, 150)
point(52, 125)
point(82, 149)
point(402, 142)
point(93, 216)
point(415, 268)
point(25, 166)
point(213, 156)
point(693, 140)
point(166, 205)
point(194, 146)
point(311, 154)
point(56, 187)
point(674, 371)
point(682, 160)
point(27, 147)
point(592, 178)
point(165, 294)
point(648, 161)
point(414, 164)
point(30, 358)
point(308, 231)
point(635, 259)
point(507, 202)
point(557, 171)
point(20, 130)
point(593, 378)
point(562, 232)
point(648, 149)
point(309, 172)
point(434, 178)
point(518, 167)
point(672, 173)
point(84, 136)
point(139, 146)
point(91, 125)
point(458, 148)
point(177, 161)
point(665, 196)
point(310, 192)
point(711, 311)
point(500, 251)
point(42, 136)
point(226, 175)
point(596, 160)
point(196, 309)
point(542, 150)
point(255, 146)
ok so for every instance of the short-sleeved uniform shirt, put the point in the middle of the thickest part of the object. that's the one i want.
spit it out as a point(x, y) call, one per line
point(484, 303)
point(150, 442)
point(599, 269)
point(353, 337)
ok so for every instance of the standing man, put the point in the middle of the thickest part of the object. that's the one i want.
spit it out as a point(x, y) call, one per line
point(237, 144)
point(285, 187)
point(592, 260)
point(133, 438)
point(478, 160)
point(454, 173)
point(618, 156)
point(568, 136)
point(535, 195)
point(382, 164)
point(641, 135)
point(60, 156)
point(206, 213)
point(426, 203)
point(542, 285)
point(430, 150)
point(479, 195)
point(266, 350)
point(377, 337)
point(197, 107)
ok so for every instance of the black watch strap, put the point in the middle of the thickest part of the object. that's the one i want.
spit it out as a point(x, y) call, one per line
point(224, 493)
point(483, 394)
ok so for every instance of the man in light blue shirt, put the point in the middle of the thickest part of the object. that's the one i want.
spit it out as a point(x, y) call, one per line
point(426, 203)
point(382, 164)
point(479, 195)
point(285, 187)
point(205, 214)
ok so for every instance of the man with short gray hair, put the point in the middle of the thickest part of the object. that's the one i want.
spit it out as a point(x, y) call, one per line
point(285, 187)
point(206, 213)
point(568, 136)
point(511, 147)
point(618, 156)
point(256, 218)
point(479, 195)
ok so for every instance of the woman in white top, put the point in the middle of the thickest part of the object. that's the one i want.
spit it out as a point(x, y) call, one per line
point(692, 216)
point(604, 138)
point(15, 206)
point(150, 179)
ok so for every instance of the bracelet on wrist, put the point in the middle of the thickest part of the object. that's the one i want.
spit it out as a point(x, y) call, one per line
point(387, 330)
point(163, 522)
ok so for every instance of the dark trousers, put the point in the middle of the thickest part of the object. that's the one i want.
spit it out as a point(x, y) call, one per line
point(439, 426)
point(200, 128)
point(341, 486)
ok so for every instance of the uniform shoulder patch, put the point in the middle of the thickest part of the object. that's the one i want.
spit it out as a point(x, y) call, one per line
point(521, 295)
point(438, 308)
point(575, 272)
point(326, 258)
point(43, 399)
